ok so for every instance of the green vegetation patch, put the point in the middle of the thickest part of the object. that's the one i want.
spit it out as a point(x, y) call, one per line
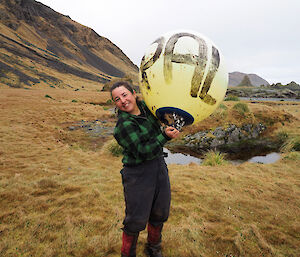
point(293, 156)
point(109, 102)
point(213, 158)
point(48, 96)
point(232, 98)
point(222, 106)
point(115, 149)
point(242, 108)
point(291, 144)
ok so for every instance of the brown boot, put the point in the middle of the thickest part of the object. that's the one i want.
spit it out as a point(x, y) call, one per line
point(129, 245)
point(153, 246)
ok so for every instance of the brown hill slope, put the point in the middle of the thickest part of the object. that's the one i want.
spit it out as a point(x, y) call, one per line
point(40, 47)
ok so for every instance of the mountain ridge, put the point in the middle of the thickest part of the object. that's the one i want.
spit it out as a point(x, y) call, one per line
point(236, 77)
point(35, 39)
point(41, 47)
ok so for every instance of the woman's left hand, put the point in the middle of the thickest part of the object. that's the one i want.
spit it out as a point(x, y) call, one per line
point(171, 132)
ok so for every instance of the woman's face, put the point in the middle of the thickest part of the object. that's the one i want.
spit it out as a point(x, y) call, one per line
point(125, 100)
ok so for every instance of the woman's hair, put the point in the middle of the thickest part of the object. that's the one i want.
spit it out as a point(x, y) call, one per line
point(119, 84)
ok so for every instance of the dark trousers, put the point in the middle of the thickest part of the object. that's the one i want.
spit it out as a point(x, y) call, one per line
point(147, 195)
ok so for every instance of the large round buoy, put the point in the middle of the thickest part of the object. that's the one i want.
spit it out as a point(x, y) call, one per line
point(183, 78)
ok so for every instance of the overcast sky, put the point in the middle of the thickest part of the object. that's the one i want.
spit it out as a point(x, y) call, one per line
point(255, 36)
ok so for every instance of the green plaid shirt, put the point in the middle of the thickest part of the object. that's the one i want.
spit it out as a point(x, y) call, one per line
point(140, 136)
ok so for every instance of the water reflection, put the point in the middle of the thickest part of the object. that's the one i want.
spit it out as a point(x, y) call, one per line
point(179, 158)
point(269, 99)
point(269, 158)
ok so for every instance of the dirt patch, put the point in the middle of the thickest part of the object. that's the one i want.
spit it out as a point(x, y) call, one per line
point(90, 135)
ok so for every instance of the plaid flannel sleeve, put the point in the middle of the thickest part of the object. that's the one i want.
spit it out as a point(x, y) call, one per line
point(140, 145)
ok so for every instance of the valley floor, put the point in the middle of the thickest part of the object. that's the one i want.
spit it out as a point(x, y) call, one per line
point(61, 190)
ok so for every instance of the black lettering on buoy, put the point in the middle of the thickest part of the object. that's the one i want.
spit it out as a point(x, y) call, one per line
point(146, 65)
point(213, 68)
point(199, 61)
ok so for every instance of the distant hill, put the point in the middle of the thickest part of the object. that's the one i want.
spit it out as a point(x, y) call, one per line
point(291, 86)
point(40, 47)
point(235, 78)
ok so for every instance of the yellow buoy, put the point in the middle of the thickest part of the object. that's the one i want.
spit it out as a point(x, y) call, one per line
point(183, 78)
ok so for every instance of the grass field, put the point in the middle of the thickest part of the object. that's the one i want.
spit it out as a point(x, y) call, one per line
point(61, 191)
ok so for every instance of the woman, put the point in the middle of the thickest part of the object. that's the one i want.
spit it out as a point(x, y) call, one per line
point(144, 175)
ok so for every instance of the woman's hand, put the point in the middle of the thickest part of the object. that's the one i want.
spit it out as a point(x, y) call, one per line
point(171, 132)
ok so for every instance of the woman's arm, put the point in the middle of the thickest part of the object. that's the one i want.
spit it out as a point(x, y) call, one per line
point(141, 145)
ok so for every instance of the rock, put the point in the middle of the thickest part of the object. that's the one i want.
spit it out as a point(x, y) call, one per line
point(222, 137)
point(230, 128)
point(216, 143)
point(247, 128)
point(275, 92)
point(234, 136)
point(219, 133)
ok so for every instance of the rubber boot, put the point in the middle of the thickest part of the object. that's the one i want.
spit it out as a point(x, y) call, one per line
point(129, 245)
point(153, 246)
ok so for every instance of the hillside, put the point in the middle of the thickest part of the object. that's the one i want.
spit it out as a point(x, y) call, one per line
point(235, 78)
point(40, 47)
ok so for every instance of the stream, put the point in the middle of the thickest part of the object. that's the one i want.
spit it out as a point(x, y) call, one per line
point(98, 128)
point(262, 99)
point(179, 158)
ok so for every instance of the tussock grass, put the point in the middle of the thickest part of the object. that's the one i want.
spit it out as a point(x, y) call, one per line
point(222, 106)
point(61, 200)
point(114, 148)
point(232, 98)
point(294, 156)
point(282, 136)
point(242, 108)
point(221, 113)
point(213, 158)
point(292, 143)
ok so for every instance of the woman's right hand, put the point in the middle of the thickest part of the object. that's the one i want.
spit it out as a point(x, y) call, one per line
point(171, 132)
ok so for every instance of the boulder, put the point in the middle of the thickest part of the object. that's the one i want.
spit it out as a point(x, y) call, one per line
point(223, 137)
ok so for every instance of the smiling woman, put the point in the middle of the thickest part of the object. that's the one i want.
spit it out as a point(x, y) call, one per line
point(125, 98)
point(145, 175)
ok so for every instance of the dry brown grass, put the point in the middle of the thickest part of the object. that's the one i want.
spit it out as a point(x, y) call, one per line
point(264, 112)
point(60, 196)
